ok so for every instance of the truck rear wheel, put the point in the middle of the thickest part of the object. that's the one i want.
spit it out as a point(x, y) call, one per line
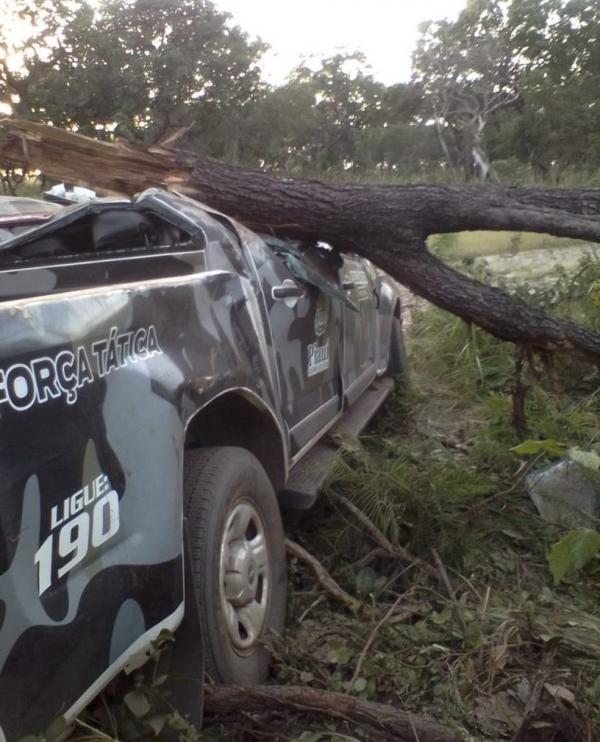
point(238, 560)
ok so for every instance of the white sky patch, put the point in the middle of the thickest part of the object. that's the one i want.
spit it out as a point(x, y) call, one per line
point(384, 30)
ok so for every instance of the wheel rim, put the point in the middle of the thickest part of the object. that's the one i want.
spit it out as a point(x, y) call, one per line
point(244, 575)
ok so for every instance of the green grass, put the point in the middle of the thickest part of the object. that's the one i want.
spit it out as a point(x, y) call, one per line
point(436, 472)
point(475, 244)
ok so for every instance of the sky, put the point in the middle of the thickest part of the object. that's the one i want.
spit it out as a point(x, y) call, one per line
point(385, 30)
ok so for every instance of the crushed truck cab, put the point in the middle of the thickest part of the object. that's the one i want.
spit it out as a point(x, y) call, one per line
point(149, 350)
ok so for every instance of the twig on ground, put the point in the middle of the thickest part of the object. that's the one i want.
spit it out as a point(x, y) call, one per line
point(519, 391)
point(523, 471)
point(96, 732)
point(417, 738)
point(468, 583)
point(522, 733)
point(395, 723)
point(374, 554)
point(458, 614)
point(371, 639)
point(253, 729)
point(380, 538)
point(485, 602)
point(314, 604)
point(110, 716)
point(322, 575)
point(377, 536)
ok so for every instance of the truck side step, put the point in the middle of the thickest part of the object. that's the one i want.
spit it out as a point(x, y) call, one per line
point(308, 476)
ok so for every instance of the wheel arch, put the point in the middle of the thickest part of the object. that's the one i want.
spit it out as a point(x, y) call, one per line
point(239, 417)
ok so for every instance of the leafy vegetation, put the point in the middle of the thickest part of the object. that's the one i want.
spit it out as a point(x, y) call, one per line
point(441, 471)
point(572, 552)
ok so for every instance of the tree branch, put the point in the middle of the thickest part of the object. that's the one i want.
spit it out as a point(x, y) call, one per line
point(504, 316)
point(380, 538)
point(323, 577)
point(394, 723)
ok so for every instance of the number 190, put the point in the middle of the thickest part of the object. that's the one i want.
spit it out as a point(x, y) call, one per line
point(74, 538)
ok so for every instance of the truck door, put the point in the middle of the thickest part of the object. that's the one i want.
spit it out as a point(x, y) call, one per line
point(359, 333)
point(306, 325)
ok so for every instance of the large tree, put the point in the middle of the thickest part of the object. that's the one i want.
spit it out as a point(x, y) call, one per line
point(525, 69)
point(388, 224)
point(559, 125)
point(468, 71)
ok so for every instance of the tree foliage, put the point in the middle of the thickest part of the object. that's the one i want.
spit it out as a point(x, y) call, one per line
point(138, 68)
point(524, 69)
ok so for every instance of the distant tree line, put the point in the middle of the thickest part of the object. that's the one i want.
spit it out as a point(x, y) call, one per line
point(509, 91)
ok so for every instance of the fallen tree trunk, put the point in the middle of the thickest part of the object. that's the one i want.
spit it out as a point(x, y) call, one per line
point(390, 721)
point(387, 224)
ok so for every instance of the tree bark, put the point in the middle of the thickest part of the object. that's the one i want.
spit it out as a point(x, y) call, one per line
point(387, 224)
point(392, 722)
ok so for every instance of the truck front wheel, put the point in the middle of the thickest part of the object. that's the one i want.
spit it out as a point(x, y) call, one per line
point(238, 560)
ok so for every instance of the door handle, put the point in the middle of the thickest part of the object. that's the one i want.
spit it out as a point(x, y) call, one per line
point(287, 291)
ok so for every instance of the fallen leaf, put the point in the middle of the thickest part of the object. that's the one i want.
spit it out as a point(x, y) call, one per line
point(559, 692)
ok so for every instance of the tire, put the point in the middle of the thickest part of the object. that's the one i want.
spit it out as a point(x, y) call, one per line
point(229, 502)
point(398, 359)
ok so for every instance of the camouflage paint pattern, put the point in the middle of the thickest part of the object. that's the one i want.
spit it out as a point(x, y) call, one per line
point(104, 360)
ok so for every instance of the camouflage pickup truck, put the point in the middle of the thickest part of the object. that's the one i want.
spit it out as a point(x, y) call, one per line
point(164, 371)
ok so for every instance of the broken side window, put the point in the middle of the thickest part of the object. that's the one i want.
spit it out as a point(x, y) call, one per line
point(95, 233)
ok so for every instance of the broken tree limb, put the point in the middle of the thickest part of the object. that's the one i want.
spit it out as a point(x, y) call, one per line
point(503, 316)
point(387, 224)
point(379, 538)
point(519, 394)
point(392, 722)
point(456, 606)
point(323, 577)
